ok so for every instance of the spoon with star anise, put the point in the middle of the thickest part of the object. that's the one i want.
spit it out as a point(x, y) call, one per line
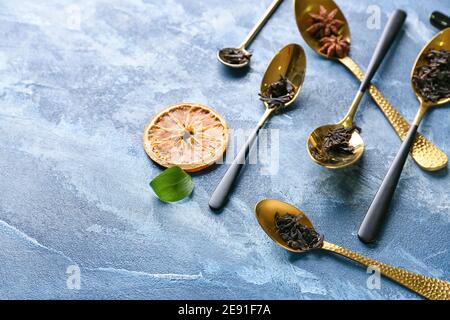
point(239, 57)
point(326, 31)
point(339, 145)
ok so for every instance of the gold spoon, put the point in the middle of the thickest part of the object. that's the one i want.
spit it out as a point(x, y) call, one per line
point(289, 62)
point(428, 156)
point(430, 288)
point(221, 55)
point(317, 137)
point(380, 204)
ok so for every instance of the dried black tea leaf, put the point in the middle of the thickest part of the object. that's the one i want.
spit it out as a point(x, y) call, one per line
point(337, 140)
point(236, 55)
point(296, 235)
point(432, 79)
point(278, 93)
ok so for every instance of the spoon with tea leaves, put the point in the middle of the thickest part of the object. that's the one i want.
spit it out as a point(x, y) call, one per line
point(291, 229)
point(339, 145)
point(280, 87)
point(323, 27)
point(430, 79)
point(239, 57)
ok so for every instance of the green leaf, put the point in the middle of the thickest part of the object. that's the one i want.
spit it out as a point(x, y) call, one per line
point(173, 184)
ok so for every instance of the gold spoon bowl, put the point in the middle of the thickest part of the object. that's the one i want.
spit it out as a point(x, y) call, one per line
point(221, 56)
point(333, 160)
point(441, 41)
point(430, 288)
point(289, 62)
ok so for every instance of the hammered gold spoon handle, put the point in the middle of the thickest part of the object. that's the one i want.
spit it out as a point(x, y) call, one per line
point(430, 288)
point(428, 156)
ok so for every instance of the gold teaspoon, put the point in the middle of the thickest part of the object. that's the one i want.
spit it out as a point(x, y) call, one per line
point(430, 288)
point(380, 204)
point(289, 62)
point(221, 55)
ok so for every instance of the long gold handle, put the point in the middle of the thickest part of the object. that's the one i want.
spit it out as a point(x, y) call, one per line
point(426, 154)
point(430, 288)
point(258, 26)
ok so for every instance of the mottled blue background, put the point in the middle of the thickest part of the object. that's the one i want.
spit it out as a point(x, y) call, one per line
point(74, 176)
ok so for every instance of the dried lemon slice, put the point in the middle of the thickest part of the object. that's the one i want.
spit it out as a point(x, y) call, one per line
point(189, 135)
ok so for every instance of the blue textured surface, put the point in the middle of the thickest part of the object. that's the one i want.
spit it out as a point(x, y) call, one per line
point(74, 176)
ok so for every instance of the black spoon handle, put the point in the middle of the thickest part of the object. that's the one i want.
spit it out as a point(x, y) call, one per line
point(387, 38)
point(219, 196)
point(440, 20)
point(372, 221)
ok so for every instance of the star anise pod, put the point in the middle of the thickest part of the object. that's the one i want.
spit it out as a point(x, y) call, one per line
point(334, 46)
point(324, 24)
